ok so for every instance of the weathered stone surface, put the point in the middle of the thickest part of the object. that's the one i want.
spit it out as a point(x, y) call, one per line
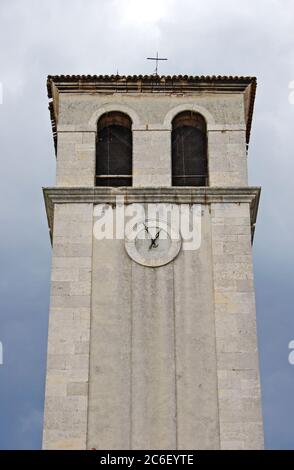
point(76, 158)
point(197, 418)
point(66, 404)
point(109, 423)
point(153, 368)
point(155, 170)
point(236, 341)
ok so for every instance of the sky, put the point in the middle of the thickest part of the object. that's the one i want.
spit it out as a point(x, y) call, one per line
point(199, 37)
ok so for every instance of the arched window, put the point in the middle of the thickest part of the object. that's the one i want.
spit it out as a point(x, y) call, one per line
point(114, 150)
point(189, 150)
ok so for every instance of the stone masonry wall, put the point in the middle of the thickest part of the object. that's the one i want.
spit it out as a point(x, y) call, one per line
point(235, 321)
point(66, 403)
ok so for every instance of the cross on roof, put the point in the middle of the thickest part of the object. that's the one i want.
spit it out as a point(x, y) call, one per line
point(157, 60)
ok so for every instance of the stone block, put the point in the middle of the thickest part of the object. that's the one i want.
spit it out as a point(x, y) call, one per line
point(77, 389)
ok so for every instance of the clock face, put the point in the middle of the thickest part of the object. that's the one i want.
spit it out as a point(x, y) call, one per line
point(153, 243)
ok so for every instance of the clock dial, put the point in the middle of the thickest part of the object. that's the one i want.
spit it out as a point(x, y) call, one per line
point(154, 244)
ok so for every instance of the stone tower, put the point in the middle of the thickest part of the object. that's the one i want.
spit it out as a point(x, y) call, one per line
point(152, 346)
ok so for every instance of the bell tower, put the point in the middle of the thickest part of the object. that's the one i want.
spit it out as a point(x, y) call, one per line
point(152, 337)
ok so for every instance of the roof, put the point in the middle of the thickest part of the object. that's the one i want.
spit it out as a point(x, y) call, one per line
point(152, 84)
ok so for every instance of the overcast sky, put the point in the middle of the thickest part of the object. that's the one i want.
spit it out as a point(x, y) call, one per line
point(228, 37)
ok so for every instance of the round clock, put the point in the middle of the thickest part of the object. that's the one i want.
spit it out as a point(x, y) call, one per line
point(152, 243)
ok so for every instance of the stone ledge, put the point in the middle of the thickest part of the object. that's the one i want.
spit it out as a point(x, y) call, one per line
point(89, 128)
point(168, 195)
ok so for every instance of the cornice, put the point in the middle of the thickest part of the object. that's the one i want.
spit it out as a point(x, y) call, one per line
point(145, 83)
point(168, 195)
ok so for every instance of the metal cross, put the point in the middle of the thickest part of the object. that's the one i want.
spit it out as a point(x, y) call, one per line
point(156, 59)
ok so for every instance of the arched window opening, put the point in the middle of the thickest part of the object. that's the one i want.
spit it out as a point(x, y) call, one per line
point(189, 150)
point(114, 150)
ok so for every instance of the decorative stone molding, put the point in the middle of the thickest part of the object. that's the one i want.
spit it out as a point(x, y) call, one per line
point(168, 195)
point(188, 107)
point(92, 124)
point(227, 127)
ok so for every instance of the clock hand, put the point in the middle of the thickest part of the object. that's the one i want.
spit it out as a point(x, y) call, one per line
point(153, 243)
point(146, 230)
point(157, 235)
point(153, 240)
